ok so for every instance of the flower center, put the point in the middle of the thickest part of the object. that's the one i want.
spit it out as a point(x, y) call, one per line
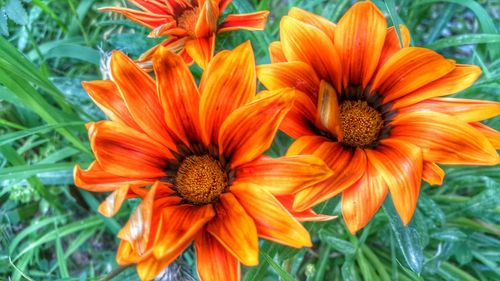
point(187, 21)
point(200, 179)
point(361, 123)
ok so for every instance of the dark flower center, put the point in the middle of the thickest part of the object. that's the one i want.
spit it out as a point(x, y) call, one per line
point(201, 179)
point(361, 123)
point(187, 21)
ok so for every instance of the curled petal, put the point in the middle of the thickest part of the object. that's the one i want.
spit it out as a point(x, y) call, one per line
point(250, 21)
point(111, 205)
point(328, 114)
point(201, 50)
point(432, 173)
point(306, 215)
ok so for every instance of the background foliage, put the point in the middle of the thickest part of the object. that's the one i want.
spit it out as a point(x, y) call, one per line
point(49, 230)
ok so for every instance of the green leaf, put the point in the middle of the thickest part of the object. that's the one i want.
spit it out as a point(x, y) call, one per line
point(465, 39)
point(15, 11)
point(283, 274)
point(338, 244)
point(10, 137)
point(391, 8)
point(18, 173)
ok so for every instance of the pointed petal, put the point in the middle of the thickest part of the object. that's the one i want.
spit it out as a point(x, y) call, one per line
point(400, 165)
point(361, 201)
point(223, 93)
point(491, 134)
point(325, 25)
point(153, 6)
point(207, 19)
point(392, 44)
point(328, 114)
point(178, 227)
point(235, 230)
point(444, 139)
point(178, 95)
point(95, 179)
point(138, 227)
point(249, 130)
point(307, 215)
point(462, 77)
point(111, 205)
point(432, 173)
point(284, 175)
point(408, 70)
point(276, 52)
point(250, 21)
point(300, 120)
point(127, 153)
point(126, 255)
point(464, 109)
point(345, 166)
point(210, 255)
point(359, 39)
point(147, 19)
point(306, 43)
point(138, 91)
point(273, 221)
point(201, 50)
point(306, 145)
point(105, 94)
point(297, 74)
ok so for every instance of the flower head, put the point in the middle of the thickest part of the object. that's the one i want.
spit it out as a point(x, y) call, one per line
point(191, 25)
point(201, 148)
point(372, 110)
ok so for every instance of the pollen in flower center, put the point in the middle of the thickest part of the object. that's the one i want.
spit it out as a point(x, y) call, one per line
point(200, 179)
point(187, 21)
point(361, 123)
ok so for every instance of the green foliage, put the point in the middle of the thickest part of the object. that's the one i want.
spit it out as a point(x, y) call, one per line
point(49, 230)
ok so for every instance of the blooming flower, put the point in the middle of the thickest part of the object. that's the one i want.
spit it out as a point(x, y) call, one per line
point(373, 110)
point(200, 147)
point(191, 25)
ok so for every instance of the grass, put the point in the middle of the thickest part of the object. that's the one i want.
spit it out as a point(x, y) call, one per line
point(49, 230)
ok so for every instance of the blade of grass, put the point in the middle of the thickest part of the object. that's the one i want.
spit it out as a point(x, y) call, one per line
point(464, 39)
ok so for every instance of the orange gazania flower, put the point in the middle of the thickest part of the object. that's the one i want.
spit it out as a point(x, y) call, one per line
point(372, 111)
point(191, 25)
point(201, 150)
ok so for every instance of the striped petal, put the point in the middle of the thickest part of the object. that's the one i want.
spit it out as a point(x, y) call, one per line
point(250, 21)
point(210, 255)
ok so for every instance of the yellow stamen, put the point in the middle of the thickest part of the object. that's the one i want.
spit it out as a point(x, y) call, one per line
point(361, 123)
point(200, 179)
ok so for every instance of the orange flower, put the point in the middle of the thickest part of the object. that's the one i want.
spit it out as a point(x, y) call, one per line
point(370, 110)
point(191, 25)
point(201, 149)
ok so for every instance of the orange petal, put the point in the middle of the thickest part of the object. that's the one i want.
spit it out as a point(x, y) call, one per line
point(400, 165)
point(362, 200)
point(273, 221)
point(328, 114)
point(300, 120)
point(392, 44)
point(107, 97)
point(250, 21)
point(359, 39)
point(138, 227)
point(491, 134)
point(284, 175)
point(173, 44)
point(150, 267)
point(276, 52)
point(153, 6)
point(235, 230)
point(178, 227)
point(207, 19)
point(306, 145)
point(444, 139)
point(297, 74)
point(201, 50)
point(111, 205)
point(95, 179)
point(126, 255)
point(345, 168)
point(462, 77)
point(147, 19)
point(138, 91)
point(213, 261)
point(178, 95)
point(432, 173)
point(464, 109)
point(306, 43)
point(127, 153)
point(408, 70)
point(307, 215)
point(223, 93)
point(325, 25)
point(249, 130)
